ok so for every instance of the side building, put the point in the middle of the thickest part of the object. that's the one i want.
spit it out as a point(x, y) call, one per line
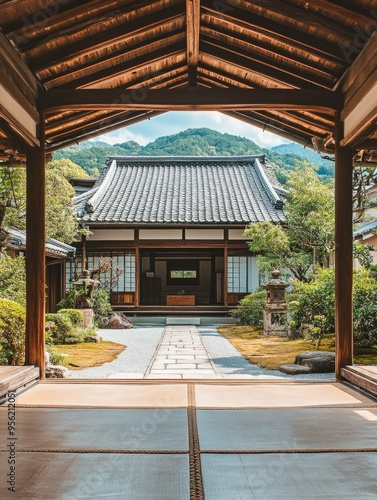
point(175, 225)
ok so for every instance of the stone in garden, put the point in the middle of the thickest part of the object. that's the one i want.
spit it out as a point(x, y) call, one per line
point(317, 361)
point(57, 371)
point(116, 321)
point(292, 369)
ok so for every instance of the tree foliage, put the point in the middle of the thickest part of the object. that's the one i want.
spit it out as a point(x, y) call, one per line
point(12, 333)
point(315, 302)
point(60, 217)
point(13, 279)
point(307, 237)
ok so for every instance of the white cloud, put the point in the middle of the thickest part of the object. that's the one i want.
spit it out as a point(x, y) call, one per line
point(175, 122)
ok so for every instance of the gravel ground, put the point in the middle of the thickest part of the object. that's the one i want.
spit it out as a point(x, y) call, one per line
point(228, 361)
point(141, 345)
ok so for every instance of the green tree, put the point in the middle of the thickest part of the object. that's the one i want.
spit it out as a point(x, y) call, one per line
point(67, 169)
point(61, 221)
point(307, 237)
point(13, 279)
point(12, 201)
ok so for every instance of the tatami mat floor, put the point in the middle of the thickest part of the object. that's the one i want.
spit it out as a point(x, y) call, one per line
point(173, 441)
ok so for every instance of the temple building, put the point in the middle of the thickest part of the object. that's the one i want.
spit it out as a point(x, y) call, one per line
point(175, 226)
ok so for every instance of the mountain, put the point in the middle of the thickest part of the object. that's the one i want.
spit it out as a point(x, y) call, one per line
point(91, 156)
point(324, 167)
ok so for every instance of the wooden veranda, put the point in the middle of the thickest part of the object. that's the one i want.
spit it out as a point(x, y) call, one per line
point(71, 70)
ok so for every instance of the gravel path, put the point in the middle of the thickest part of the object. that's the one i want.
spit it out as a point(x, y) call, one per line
point(133, 361)
point(142, 343)
point(229, 362)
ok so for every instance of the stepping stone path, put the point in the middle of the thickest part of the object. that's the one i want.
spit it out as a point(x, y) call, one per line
point(181, 354)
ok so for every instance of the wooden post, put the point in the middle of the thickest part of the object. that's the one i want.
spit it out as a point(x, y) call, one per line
point(137, 276)
point(343, 254)
point(226, 276)
point(35, 255)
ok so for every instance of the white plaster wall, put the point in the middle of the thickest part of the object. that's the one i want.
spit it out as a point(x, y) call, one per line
point(17, 111)
point(204, 234)
point(112, 235)
point(236, 234)
point(160, 234)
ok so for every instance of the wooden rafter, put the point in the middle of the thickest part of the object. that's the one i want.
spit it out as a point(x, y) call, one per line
point(279, 32)
point(189, 99)
point(192, 35)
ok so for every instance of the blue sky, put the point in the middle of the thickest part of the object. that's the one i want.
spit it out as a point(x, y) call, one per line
point(174, 122)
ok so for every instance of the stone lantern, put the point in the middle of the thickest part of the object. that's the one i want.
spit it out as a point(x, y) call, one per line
point(84, 286)
point(275, 314)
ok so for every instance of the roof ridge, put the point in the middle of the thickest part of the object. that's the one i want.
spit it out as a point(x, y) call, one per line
point(105, 184)
point(183, 159)
point(277, 202)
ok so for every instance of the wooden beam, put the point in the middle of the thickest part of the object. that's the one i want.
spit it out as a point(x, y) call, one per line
point(101, 40)
point(266, 69)
point(270, 126)
point(92, 131)
point(35, 255)
point(343, 253)
point(152, 60)
point(361, 76)
point(288, 35)
point(16, 76)
point(193, 35)
point(217, 99)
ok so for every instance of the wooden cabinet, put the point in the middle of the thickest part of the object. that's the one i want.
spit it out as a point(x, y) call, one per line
point(180, 300)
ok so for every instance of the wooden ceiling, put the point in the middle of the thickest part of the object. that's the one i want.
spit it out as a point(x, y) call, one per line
point(143, 47)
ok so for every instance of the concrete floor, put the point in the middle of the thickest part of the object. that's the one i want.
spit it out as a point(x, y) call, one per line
point(187, 439)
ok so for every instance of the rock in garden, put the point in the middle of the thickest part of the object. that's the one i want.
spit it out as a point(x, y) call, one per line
point(116, 321)
point(317, 361)
point(294, 369)
point(57, 371)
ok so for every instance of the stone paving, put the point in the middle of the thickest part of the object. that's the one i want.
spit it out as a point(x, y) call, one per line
point(181, 354)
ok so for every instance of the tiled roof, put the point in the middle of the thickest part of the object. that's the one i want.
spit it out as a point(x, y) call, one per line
point(364, 228)
point(187, 190)
point(17, 238)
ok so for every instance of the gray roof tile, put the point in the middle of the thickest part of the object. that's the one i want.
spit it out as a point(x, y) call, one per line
point(187, 190)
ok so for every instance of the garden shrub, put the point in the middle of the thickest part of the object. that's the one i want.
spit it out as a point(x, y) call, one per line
point(316, 300)
point(13, 279)
point(12, 332)
point(100, 302)
point(75, 315)
point(59, 327)
point(250, 309)
point(365, 308)
point(56, 358)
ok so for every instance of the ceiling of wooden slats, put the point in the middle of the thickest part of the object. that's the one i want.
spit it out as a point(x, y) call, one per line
point(165, 44)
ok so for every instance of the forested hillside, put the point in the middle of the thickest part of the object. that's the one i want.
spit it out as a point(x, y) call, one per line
point(197, 142)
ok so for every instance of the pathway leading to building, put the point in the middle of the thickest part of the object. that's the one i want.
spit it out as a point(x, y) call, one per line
point(181, 354)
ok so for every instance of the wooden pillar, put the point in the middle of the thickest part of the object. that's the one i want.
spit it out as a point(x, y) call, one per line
point(137, 276)
point(226, 276)
point(343, 254)
point(35, 255)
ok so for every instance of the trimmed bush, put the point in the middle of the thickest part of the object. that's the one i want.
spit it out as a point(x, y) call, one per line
point(59, 327)
point(250, 309)
point(12, 333)
point(56, 358)
point(75, 315)
point(13, 279)
point(316, 300)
